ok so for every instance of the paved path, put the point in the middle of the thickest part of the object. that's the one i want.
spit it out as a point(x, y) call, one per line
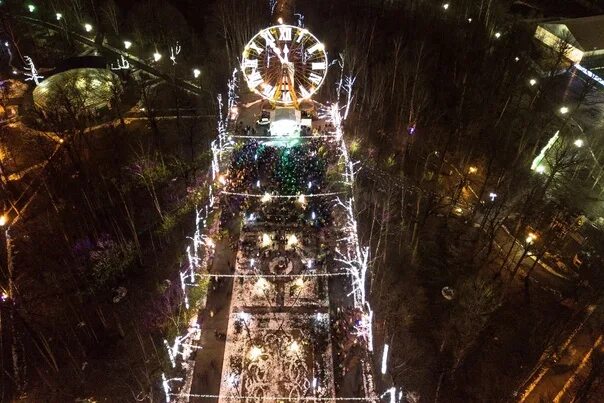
point(208, 361)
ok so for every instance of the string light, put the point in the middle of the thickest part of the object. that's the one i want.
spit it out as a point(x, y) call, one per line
point(33, 72)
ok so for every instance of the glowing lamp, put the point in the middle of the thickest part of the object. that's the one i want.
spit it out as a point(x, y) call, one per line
point(446, 6)
point(564, 110)
point(497, 35)
point(578, 143)
point(292, 240)
point(156, 56)
point(88, 27)
point(294, 347)
point(266, 198)
point(3, 220)
point(196, 73)
point(59, 16)
point(266, 240)
point(127, 44)
point(532, 82)
point(31, 8)
point(255, 353)
point(472, 170)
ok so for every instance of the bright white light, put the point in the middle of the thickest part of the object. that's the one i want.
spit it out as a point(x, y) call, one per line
point(578, 143)
point(540, 169)
point(127, 44)
point(302, 199)
point(532, 82)
point(59, 16)
point(88, 27)
point(497, 35)
point(254, 353)
point(3, 220)
point(31, 8)
point(266, 197)
point(196, 73)
point(258, 183)
point(516, 58)
point(266, 240)
point(313, 215)
point(292, 240)
point(446, 6)
point(492, 196)
point(244, 316)
point(294, 347)
point(156, 56)
point(530, 238)
point(280, 20)
point(261, 285)
point(385, 359)
point(469, 20)
point(564, 110)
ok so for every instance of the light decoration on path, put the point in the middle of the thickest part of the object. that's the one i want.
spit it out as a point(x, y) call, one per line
point(33, 72)
point(121, 64)
point(174, 51)
point(385, 359)
point(184, 342)
point(354, 257)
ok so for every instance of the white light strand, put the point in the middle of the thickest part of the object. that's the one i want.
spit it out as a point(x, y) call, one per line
point(279, 398)
point(336, 274)
point(276, 196)
point(174, 51)
point(121, 64)
point(33, 72)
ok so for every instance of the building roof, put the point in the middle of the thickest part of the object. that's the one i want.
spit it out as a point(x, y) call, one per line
point(586, 33)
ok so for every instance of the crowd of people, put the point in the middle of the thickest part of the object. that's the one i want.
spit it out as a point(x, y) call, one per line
point(261, 168)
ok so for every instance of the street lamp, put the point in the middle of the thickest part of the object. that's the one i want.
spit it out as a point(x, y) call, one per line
point(127, 44)
point(31, 8)
point(492, 196)
point(446, 6)
point(88, 27)
point(3, 220)
point(532, 82)
point(196, 73)
point(59, 16)
point(156, 56)
point(578, 143)
point(497, 35)
point(530, 238)
point(563, 110)
point(472, 170)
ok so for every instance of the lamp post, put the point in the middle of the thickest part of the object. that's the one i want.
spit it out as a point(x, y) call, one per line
point(529, 240)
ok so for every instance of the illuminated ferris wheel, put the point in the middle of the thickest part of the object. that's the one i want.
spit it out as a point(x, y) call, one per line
point(284, 64)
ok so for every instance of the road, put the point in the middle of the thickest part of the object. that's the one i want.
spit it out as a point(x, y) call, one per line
point(556, 380)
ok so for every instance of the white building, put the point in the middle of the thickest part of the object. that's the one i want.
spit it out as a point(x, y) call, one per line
point(580, 38)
